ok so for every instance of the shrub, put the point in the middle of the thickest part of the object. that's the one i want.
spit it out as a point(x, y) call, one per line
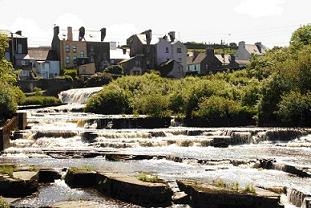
point(98, 79)
point(114, 69)
point(110, 100)
point(3, 203)
point(40, 100)
point(8, 103)
point(73, 73)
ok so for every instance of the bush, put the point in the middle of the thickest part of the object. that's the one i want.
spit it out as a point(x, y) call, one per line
point(40, 100)
point(110, 100)
point(220, 111)
point(114, 69)
point(8, 104)
point(98, 79)
point(73, 73)
point(3, 203)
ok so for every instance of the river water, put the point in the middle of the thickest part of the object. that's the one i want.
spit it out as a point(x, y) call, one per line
point(56, 130)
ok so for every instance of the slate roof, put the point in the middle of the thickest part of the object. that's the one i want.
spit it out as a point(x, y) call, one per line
point(224, 59)
point(253, 49)
point(8, 34)
point(40, 53)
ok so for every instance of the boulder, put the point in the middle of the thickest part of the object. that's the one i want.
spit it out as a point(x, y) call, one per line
point(220, 141)
point(132, 190)
point(19, 184)
point(205, 195)
point(48, 175)
point(80, 178)
point(181, 198)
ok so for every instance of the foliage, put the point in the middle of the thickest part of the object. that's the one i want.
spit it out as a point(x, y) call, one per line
point(7, 169)
point(114, 69)
point(73, 73)
point(301, 36)
point(98, 79)
point(111, 100)
point(40, 100)
point(3, 203)
point(145, 177)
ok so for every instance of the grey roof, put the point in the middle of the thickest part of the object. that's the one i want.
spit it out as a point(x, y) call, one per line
point(8, 34)
point(242, 62)
point(224, 59)
point(143, 39)
point(253, 49)
point(40, 53)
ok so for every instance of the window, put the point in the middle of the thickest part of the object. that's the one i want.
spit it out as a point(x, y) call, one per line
point(19, 48)
point(67, 60)
point(179, 59)
point(178, 50)
point(74, 49)
point(75, 59)
point(166, 50)
point(136, 63)
point(82, 54)
point(67, 48)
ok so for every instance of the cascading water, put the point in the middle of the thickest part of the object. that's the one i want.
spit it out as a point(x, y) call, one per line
point(78, 96)
point(57, 130)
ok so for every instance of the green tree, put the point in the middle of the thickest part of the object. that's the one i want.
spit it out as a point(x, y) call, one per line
point(301, 37)
point(114, 69)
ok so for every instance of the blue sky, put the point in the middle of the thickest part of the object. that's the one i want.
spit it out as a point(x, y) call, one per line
point(268, 21)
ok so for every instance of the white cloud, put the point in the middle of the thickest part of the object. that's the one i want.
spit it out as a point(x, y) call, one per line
point(69, 19)
point(260, 8)
point(30, 28)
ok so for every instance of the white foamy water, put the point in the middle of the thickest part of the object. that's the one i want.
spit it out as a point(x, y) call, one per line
point(78, 96)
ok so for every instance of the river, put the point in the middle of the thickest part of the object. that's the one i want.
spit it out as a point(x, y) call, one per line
point(56, 130)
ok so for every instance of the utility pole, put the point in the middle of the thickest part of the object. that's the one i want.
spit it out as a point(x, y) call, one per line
point(12, 49)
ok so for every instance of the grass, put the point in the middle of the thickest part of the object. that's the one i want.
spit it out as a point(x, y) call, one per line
point(3, 203)
point(84, 168)
point(40, 100)
point(7, 169)
point(145, 177)
point(235, 186)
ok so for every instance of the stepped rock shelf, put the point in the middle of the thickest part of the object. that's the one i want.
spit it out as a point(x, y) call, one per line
point(68, 158)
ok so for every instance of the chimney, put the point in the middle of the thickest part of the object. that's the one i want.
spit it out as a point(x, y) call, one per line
point(19, 32)
point(259, 46)
point(165, 37)
point(242, 44)
point(148, 34)
point(210, 52)
point(172, 35)
point(102, 34)
point(124, 51)
point(81, 33)
point(69, 33)
point(56, 31)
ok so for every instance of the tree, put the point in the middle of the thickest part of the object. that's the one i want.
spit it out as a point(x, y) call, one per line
point(301, 37)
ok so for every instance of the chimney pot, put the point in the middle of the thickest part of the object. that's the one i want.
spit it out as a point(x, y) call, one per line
point(69, 33)
point(172, 35)
point(19, 32)
point(103, 34)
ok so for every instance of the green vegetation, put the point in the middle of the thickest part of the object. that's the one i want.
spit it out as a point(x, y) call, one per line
point(114, 69)
point(73, 73)
point(98, 79)
point(81, 169)
point(7, 169)
point(145, 177)
point(40, 100)
point(3, 203)
point(235, 186)
point(274, 90)
point(10, 94)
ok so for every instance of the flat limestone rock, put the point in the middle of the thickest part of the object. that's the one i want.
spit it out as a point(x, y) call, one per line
point(78, 204)
point(24, 175)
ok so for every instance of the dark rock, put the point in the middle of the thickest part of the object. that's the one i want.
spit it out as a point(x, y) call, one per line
point(284, 134)
point(89, 137)
point(157, 134)
point(221, 141)
point(132, 190)
point(20, 184)
point(76, 178)
point(194, 132)
point(48, 176)
point(204, 195)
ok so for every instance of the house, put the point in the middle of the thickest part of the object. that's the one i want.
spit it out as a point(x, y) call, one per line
point(17, 50)
point(153, 53)
point(118, 55)
point(209, 62)
point(171, 69)
point(136, 65)
point(86, 49)
point(245, 51)
point(44, 62)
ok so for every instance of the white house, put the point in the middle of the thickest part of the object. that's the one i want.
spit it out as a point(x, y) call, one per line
point(171, 50)
point(245, 51)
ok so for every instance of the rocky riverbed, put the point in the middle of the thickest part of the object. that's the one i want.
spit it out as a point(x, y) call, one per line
point(66, 159)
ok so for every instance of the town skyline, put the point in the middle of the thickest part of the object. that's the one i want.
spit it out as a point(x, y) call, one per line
point(270, 22)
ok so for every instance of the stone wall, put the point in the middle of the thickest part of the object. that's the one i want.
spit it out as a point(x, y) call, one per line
point(17, 122)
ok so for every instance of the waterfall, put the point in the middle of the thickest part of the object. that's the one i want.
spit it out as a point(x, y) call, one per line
point(77, 96)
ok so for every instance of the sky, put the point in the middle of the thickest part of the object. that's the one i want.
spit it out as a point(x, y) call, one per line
point(268, 21)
